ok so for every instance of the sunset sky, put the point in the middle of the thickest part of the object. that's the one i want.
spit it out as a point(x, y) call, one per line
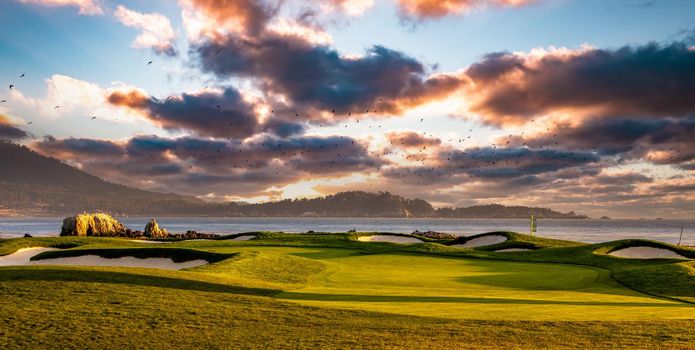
point(569, 104)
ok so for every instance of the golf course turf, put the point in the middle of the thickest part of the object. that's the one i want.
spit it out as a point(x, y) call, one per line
point(335, 291)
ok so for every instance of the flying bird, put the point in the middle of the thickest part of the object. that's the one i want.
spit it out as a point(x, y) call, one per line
point(94, 118)
point(56, 107)
point(11, 86)
point(29, 123)
point(3, 101)
point(149, 63)
point(22, 76)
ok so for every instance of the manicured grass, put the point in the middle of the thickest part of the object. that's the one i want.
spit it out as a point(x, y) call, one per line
point(98, 309)
point(331, 291)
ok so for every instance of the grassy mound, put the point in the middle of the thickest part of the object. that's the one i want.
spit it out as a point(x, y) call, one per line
point(267, 268)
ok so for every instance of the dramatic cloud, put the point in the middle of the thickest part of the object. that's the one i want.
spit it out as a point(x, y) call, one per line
point(291, 61)
point(200, 166)
point(317, 77)
point(9, 131)
point(662, 141)
point(493, 163)
point(651, 80)
point(424, 9)
point(213, 114)
point(87, 7)
point(157, 32)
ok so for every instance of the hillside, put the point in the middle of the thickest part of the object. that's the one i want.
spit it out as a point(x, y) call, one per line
point(31, 184)
point(502, 211)
point(343, 204)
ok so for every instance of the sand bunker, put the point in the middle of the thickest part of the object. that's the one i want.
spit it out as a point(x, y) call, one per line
point(646, 253)
point(243, 238)
point(126, 261)
point(482, 241)
point(22, 258)
point(390, 239)
point(146, 241)
point(513, 250)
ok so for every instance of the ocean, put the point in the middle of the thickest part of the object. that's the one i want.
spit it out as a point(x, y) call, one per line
point(590, 231)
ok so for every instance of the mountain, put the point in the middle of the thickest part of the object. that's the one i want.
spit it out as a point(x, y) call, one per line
point(31, 184)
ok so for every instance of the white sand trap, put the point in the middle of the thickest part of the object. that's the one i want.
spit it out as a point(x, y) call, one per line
point(513, 250)
point(146, 241)
point(243, 238)
point(390, 239)
point(126, 261)
point(646, 253)
point(482, 241)
point(22, 256)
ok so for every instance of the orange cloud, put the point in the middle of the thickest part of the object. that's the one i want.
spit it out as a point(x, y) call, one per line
point(132, 99)
point(411, 139)
point(422, 9)
point(209, 18)
point(86, 7)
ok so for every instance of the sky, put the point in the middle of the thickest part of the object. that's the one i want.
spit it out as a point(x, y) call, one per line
point(575, 105)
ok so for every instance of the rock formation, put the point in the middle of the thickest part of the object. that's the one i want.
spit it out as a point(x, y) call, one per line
point(152, 230)
point(93, 224)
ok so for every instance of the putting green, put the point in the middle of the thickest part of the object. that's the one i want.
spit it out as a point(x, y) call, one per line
point(415, 284)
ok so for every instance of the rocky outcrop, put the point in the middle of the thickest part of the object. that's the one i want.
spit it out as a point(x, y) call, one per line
point(193, 235)
point(93, 224)
point(152, 230)
point(433, 234)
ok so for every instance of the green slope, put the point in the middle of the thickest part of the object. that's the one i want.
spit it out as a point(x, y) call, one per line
point(331, 291)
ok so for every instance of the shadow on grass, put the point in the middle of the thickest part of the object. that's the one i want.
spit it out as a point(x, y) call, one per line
point(113, 277)
point(469, 300)
point(575, 279)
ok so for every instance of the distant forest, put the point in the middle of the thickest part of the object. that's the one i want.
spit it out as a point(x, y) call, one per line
point(31, 184)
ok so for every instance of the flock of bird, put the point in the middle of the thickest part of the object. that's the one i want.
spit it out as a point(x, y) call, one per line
point(422, 164)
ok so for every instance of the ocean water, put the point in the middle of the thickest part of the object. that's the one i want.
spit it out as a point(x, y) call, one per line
point(590, 231)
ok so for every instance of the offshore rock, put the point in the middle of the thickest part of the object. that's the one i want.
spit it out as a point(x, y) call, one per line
point(93, 224)
point(152, 230)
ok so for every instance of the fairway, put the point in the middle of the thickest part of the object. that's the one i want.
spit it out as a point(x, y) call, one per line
point(455, 288)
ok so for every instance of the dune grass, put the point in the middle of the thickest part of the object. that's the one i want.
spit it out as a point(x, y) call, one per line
point(332, 291)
